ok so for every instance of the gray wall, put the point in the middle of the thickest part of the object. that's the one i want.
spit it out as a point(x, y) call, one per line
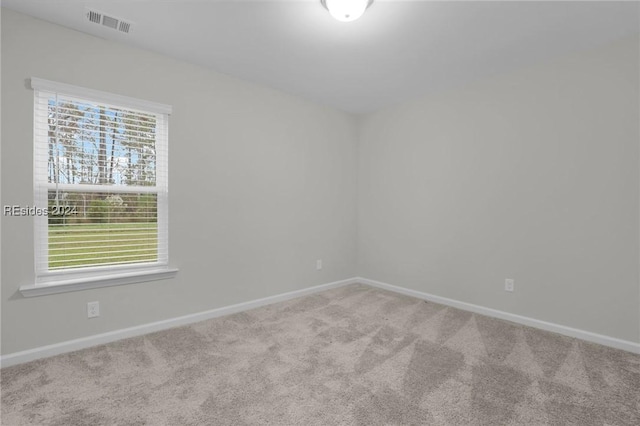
point(531, 176)
point(261, 185)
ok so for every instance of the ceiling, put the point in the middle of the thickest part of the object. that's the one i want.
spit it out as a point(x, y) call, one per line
point(397, 51)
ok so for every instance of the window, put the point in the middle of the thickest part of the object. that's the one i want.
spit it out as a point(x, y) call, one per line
point(100, 169)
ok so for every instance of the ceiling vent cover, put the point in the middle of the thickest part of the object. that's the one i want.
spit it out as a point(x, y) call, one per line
point(124, 27)
point(109, 21)
point(94, 17)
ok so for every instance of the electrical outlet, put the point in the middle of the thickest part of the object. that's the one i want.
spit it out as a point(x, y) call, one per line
point(319, 264)
point(509, 284)
point(93, 309)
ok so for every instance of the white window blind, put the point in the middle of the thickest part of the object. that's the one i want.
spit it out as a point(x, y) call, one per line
point(100, 167)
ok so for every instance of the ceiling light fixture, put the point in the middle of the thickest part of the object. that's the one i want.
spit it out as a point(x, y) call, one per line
point(346, 10)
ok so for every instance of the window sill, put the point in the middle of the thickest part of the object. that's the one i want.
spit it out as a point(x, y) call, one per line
point(107, 280)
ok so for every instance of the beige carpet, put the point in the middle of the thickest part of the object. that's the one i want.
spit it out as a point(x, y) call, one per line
point(353, 355)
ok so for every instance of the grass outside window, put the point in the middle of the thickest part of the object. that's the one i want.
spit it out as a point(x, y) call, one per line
point(78, 245)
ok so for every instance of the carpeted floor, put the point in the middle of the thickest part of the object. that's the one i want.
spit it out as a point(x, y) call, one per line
point(353, 355)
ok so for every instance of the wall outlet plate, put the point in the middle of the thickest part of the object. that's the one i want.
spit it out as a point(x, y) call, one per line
point(93, 309)
point(509, 284)
point(319, 264)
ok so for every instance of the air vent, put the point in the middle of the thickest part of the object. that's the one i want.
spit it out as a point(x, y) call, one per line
point(94, 17)
point(124, 26)
point(109, 21)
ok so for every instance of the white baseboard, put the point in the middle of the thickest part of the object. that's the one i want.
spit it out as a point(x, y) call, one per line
point(531, 322)
point(99, 339)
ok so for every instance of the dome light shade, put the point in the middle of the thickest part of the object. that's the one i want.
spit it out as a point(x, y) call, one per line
point(346, 10)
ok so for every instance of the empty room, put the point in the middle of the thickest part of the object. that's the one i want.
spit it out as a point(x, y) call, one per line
point(320, 212)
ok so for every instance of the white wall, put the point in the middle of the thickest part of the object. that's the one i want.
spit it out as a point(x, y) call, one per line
point(531, 176)
point(261, 185)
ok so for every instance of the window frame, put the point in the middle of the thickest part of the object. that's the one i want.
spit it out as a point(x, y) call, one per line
point(62, 280)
